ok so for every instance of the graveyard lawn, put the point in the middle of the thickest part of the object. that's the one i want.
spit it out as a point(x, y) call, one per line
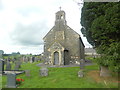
point(64, 78)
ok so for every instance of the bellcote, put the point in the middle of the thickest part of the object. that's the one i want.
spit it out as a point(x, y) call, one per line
point(60, 18)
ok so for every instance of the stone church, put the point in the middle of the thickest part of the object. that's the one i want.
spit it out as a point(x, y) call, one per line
point(62, 45)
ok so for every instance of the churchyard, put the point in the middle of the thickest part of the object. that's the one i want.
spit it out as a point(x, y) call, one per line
point(37, 76)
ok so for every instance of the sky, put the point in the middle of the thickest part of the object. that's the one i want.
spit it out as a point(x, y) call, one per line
point(24, 23)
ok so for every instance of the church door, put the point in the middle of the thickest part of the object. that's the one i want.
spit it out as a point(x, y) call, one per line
point(66, 57)
point(56, 58)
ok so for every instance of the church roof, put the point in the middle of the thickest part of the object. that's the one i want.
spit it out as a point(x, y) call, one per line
point(48, 33)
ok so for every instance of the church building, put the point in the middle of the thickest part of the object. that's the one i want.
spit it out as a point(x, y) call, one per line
point(62, 45)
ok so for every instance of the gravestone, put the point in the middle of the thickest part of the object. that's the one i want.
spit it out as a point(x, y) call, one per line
point(8, 66)
point(11, 80)
point(23, 58)
point(31, 60)
point(80, 73)
point(26, 59)
point(44, 71)
point(27, 73)
point(17, 65)
point(82, 64)
point(35, 59)
point(1, 66)
point(104, 71)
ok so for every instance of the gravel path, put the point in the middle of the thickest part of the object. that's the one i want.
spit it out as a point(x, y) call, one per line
point(42, 65)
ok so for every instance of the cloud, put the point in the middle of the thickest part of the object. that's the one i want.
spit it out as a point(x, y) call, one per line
point(29, 34)
point(28, 10)
point(1, 5)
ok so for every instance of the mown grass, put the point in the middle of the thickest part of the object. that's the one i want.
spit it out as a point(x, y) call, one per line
point(58, 78)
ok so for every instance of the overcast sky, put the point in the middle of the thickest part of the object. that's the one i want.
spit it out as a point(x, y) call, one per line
point(24, 23)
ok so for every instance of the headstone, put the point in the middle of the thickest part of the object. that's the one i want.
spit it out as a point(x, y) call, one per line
point(9, 59)
point(35, 59)
point(8, 66)
point(104, 71)
point(1, 66)
point(44, 71)
point(31, 60)
point(82, 64)
point(26, 59)
point(17, 65)
point(80, 73)
point(23, 58)
point(11, 80)
point(27, 73)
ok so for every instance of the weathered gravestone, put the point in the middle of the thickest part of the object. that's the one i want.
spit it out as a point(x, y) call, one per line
point(11, 80)
point(104, 71)
point(80, 73)
point(82, 64)
point(17, 65)
point(31, 60)
point(1, 66)
point(8, 66)
point(26, 60)
point(27, 73)
point(44, 71)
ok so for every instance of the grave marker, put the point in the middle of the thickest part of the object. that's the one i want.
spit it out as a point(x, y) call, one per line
point(17, 65)
point(1, 66)
point(11, 80)
point(80, 73)
point(27, 73)
point(44, 71)
point(8, 66)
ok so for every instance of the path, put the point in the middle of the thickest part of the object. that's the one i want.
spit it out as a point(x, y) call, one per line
point(87, 63)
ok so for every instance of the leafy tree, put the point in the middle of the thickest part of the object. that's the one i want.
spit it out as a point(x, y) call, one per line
point(101, 27)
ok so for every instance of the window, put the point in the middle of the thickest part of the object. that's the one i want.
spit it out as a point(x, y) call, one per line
point(61, 17)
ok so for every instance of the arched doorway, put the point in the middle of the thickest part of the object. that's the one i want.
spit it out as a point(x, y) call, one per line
point(56, 58)
point(66, 57)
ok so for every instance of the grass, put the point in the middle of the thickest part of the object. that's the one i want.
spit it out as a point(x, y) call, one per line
point(59, 78)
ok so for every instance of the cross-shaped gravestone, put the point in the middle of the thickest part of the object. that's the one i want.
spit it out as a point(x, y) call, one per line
point(8, 66)
point(11, 80)
point(1, 66)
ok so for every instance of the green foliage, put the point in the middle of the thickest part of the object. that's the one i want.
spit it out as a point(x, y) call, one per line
point(102, 29)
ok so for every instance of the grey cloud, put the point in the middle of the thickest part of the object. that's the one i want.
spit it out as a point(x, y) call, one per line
point(29, 35)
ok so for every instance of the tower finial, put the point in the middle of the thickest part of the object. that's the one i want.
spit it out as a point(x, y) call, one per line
point(60, 8)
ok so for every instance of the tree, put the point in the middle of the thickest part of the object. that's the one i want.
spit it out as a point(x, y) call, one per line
point(101, 27)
